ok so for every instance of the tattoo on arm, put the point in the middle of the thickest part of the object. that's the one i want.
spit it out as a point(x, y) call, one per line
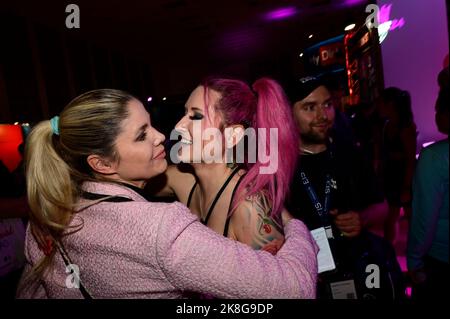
point(265, 232)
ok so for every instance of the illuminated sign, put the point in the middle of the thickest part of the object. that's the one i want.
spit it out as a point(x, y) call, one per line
point(386, 24)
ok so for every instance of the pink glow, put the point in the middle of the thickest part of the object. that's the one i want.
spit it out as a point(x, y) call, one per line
point(384, 13)
point(384, 16)
point(408, 292)
point(282, 13)
point(428, 143)
point(397, 23)
point(353, 2)
point(424, 20)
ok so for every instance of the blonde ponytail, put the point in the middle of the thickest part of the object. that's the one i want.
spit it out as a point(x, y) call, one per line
point(56, 165)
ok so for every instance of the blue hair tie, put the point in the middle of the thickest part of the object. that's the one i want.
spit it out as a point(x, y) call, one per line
point(54, 122)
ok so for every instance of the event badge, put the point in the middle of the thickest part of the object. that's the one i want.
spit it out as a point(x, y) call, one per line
point(329, 232)
point(325, 258)
point(343, 289)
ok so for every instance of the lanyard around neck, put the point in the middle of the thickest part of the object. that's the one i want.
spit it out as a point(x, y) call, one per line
point(322, 210)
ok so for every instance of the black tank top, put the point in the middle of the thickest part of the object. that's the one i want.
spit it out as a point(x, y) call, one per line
point(219, 193)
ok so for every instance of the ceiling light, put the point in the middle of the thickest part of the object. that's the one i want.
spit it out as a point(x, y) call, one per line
point(350, 27)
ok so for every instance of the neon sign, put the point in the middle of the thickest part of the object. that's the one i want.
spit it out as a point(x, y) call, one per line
point(385, 24)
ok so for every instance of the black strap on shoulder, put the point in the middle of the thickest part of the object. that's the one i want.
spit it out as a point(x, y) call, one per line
point(62, 250)
point(113, 199)
point(190, 194)
point(219, 193)
point(68, 262)
point(227, 222)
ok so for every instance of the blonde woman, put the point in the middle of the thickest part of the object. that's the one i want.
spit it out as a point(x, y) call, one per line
point(85, 173)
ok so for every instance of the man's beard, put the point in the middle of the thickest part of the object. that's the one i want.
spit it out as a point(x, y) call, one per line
point(312, 137)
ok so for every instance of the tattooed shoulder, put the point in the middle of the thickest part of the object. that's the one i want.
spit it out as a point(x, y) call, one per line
point(255, 227)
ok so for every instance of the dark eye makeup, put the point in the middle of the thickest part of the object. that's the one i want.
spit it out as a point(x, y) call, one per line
point(196, 116)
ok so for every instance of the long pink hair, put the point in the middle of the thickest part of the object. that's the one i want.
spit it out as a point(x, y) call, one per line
point(262, 106)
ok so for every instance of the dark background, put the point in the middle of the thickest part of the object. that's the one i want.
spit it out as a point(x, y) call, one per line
point(158, 48)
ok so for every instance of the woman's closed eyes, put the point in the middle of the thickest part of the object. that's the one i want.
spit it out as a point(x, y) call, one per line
point(196, 116)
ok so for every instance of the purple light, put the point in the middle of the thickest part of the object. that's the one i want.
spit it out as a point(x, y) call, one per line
point(353, 2)
point(384, 14)
point(422, 20)
point(149, 99)
point(397, 24)
point(282, 13)
point(408, 292)
point(428, 144)
point(242, 41)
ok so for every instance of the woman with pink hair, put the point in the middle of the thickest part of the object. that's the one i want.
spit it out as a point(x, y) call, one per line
point(92, 233)
point(238, 195)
